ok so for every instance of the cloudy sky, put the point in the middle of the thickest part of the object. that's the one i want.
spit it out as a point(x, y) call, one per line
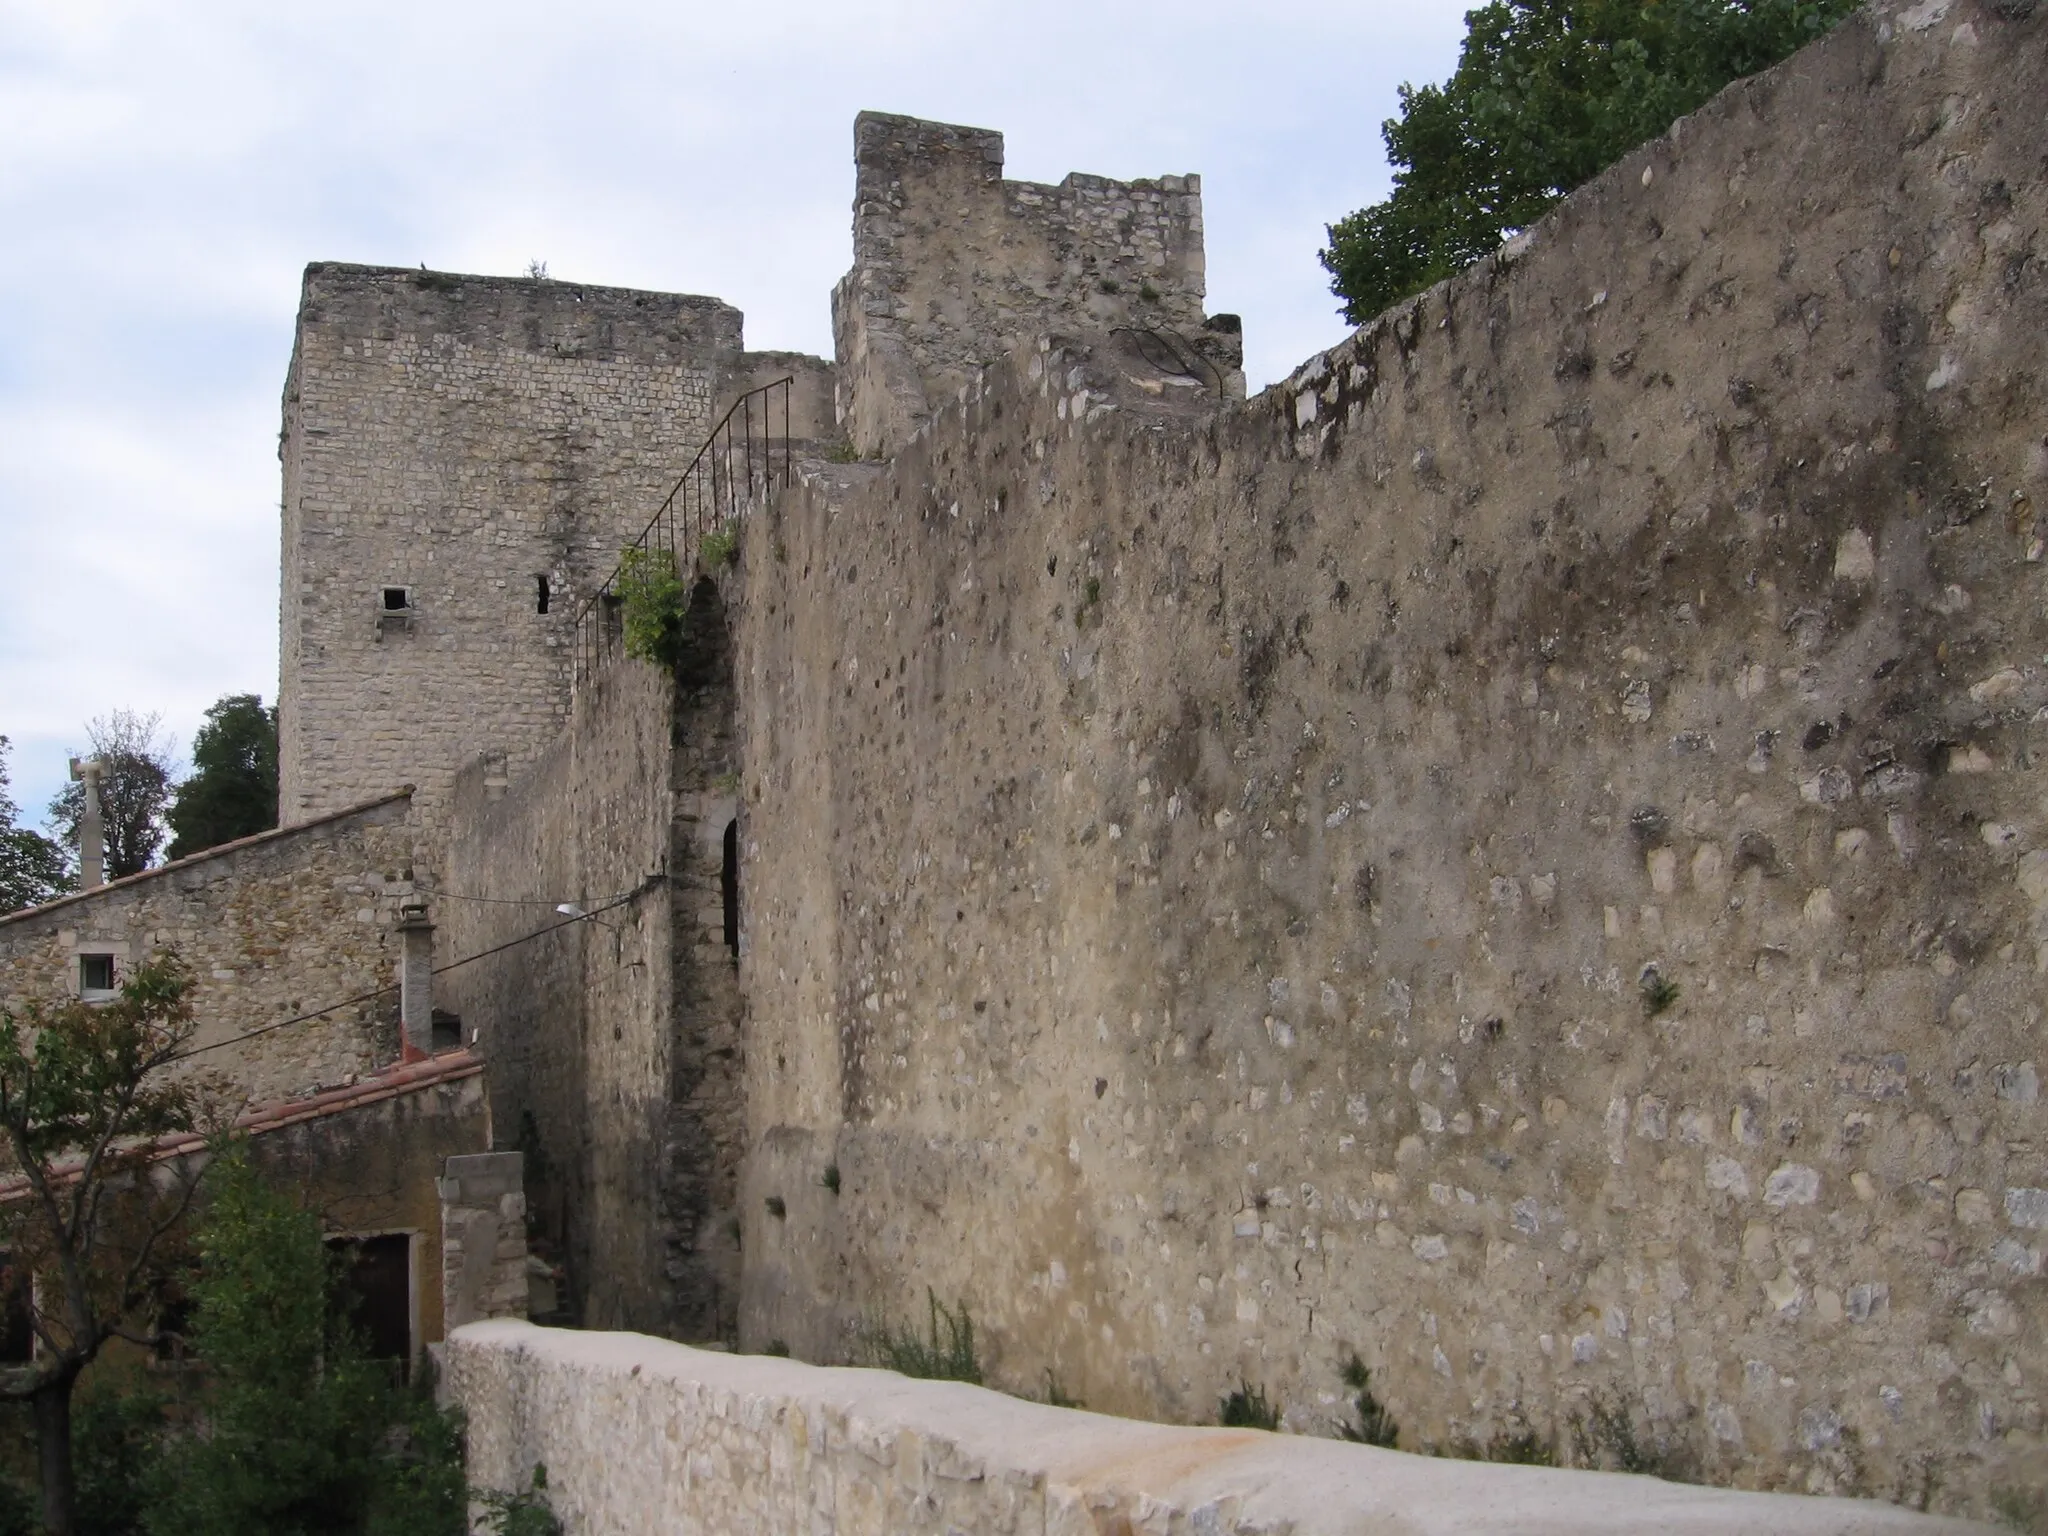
point(167, 171)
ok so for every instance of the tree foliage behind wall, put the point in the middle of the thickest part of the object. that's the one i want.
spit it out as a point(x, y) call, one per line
point(233, 788)
point(33, 868)
point(1547, 94)
point(135, 790)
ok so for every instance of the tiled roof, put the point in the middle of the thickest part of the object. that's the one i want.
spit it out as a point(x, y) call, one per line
point(276, 1114)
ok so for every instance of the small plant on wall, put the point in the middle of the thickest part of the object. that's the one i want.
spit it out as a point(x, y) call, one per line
point(945, 1353)
point(654, 601)
point(1247, 1408)
point(718, 548)
point(1373, 1424)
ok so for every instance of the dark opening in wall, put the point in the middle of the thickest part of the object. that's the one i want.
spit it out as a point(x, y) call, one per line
point(540, 601)
point(397, 599)
point(729, 886)
point(17, 1330)
point(174, 1311)
point(380, 1284)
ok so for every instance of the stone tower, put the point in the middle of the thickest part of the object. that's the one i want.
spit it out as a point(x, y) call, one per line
point(464, 458)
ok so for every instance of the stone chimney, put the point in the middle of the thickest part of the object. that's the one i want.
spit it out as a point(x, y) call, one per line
point(415, 980)
point(92, 838)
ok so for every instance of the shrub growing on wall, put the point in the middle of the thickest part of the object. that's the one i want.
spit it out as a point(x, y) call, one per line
point(654, 600)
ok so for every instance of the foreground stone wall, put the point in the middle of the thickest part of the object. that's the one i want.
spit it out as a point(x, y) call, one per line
point(614, 1042)
point(955, 267)
point(274, 926)
point(1519, 854)
point(642, 1436)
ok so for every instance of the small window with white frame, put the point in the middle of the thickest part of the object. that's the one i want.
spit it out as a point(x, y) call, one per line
point(96, 976)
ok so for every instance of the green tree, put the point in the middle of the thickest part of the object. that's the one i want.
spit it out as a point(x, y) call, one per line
point(89, 1221)
point(33, 868)
point(303, 1432)
point(135, 789)
point(1547, 94)
point(233, 788)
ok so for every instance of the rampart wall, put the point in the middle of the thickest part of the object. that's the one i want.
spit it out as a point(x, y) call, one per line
point(272, 927)
point(1519, 853)
point(954, 268)
point(614, 1041)
point(643, 1436)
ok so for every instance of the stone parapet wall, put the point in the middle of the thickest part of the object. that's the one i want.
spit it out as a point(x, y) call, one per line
point(646, 1438)
point(955, 267)
point(272, 927)
point(1519, 853)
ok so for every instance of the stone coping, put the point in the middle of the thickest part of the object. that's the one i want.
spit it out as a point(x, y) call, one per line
point(802, 1448)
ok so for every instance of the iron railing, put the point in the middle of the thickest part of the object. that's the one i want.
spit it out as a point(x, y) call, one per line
point(742, 462)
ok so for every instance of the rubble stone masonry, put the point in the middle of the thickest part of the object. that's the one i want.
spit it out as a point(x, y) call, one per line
point(1520, 853)
point(274, 926)
point(955, 267)
point(615, 1042)
point(461, 440)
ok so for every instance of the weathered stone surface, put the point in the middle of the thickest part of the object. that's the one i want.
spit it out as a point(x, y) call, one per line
point(1474, 857)
point(483, 1237)
point(642, 1437)
point(614, 1042)
point(464, 439)
point(954, 268)
point(272, 927)
point(369, 1168)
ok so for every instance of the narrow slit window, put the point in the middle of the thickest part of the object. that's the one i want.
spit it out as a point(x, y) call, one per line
point(729, 887)
point(540, 595)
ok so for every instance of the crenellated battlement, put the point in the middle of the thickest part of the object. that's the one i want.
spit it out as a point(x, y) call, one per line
point(954, 268)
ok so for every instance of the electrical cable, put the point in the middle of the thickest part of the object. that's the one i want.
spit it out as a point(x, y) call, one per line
point(503, 901)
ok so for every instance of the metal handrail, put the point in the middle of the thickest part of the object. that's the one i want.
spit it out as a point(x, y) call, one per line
point(737, 465)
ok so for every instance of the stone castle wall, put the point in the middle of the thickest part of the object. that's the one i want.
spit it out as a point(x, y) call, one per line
point(272, 927)
point(614, 1042)
point(467, 439)
point(1519, 853)
point(954, 268)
